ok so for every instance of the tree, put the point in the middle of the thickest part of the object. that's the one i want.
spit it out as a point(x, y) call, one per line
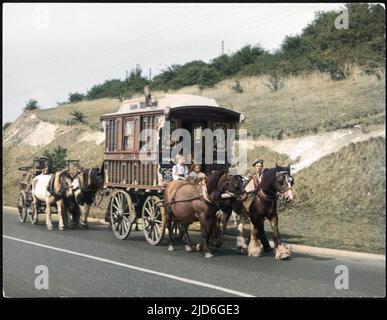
point(78, 116)
point(57, 156)
point(76, 97)
point(274, 82)
point(32, 104)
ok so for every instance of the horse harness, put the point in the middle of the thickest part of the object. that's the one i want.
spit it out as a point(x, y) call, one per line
point(267, 195)
point(203, 195)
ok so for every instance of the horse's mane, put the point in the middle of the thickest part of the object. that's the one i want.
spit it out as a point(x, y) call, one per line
point(89, 179)
point(213, 179)
point(267, 178)
point(57, 182)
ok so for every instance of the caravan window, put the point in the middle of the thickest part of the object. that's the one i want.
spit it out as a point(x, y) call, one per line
point(128, 134)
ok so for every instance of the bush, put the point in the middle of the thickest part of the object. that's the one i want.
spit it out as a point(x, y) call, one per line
point(274, 82)
point(31, 105)
point(76, 97)
point(57, 156)
point(237, 87)
point(78, 117)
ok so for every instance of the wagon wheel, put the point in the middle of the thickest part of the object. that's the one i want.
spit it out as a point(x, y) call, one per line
point(22, 206)
point(154, 220)
point(122, 214)
point(177, 230)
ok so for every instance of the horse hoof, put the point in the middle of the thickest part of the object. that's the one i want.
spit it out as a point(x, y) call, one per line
point(218, 244)
point(282, 256)
point(34, 222)
point(84, 226)
point(198, 247)
point(257, 252)
point(62, 228)
point(188, 248)
point(171, 248)
point(241, 249)
point(208, 255)
point(282, 253)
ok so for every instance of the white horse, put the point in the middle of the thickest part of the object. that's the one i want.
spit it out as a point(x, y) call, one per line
point(60, 188)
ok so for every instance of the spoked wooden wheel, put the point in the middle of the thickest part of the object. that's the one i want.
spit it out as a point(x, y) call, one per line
point(154, 220)
point(22, 206)
point(121, 214)
point(177, 230)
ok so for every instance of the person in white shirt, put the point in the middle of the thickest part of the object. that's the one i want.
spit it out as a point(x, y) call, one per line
point(180, 170)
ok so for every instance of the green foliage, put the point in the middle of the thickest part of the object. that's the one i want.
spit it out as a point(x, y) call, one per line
point(78, 117)
point(31, 105)
point(206, 74)
point(134, 82)
point(319, 47)
point(6, 125)
point(76, 97)
point(57, 156)
point(328, 49)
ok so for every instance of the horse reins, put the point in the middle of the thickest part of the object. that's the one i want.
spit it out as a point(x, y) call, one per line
point(270, 198)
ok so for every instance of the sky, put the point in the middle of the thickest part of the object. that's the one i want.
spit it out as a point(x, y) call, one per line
point(51, 50)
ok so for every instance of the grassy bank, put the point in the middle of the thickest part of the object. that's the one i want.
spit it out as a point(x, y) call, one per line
point(341, 200)
point(306, 104)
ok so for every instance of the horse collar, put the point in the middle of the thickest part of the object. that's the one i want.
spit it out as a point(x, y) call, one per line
point(266, 197)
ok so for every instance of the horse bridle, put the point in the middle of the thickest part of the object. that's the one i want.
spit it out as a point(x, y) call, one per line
point(237, 195)
point(273, 196)
point(69, 186)
point(289, 186)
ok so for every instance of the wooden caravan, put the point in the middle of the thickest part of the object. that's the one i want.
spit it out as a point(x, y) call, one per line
point(137, 186)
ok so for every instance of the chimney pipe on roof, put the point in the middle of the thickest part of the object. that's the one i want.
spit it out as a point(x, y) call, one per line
point(148, 96)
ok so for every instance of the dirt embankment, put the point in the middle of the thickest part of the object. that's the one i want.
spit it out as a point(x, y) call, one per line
point(309, 149)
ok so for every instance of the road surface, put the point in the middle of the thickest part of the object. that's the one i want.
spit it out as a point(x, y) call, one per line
point(95, 264)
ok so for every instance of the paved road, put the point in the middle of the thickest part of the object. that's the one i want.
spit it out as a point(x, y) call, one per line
point(95, 264)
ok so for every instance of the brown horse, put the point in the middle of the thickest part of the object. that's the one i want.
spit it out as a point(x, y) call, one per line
point(187, 202)
point(261, 204)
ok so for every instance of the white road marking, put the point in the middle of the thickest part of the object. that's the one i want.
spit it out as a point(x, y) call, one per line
point(128, 266)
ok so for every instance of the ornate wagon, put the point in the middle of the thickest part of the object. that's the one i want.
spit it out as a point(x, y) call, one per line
point(136, 186)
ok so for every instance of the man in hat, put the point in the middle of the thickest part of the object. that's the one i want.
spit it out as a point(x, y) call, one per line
point(258, 166)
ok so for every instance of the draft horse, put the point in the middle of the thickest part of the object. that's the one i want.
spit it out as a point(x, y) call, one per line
point(260, 203)
point(187, 201)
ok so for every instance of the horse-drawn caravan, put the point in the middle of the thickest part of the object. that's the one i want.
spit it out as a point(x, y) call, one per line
point(142, 141)
point(139, 155)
